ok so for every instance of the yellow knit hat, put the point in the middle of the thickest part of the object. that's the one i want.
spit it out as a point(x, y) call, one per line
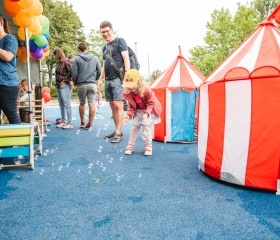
point(131, 78)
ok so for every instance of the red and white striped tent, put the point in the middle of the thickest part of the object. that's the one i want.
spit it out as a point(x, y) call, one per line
point(177, 90)
point(239, 113)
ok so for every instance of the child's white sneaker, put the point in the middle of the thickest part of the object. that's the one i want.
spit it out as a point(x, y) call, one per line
point(148, 153)
point(61, 125)
point(128, 151)
point(68, 126)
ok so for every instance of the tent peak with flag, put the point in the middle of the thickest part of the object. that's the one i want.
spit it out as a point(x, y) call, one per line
point(275, 15)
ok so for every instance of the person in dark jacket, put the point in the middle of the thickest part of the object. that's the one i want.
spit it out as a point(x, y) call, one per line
point(86, 71)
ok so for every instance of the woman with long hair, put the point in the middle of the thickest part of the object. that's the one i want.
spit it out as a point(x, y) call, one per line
point(64, 84)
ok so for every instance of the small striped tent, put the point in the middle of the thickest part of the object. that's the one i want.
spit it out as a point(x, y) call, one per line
point(176, 89)
point(239, 114)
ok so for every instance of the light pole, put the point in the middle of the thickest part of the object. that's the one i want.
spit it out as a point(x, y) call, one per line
point(135, 48)
point(148, 65)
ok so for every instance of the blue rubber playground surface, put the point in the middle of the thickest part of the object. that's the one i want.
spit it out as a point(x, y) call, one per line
point(84, 188)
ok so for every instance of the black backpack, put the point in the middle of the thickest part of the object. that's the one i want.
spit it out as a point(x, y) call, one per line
point(134, 64)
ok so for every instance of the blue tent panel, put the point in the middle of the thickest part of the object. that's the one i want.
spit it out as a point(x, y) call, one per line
point(183, 115)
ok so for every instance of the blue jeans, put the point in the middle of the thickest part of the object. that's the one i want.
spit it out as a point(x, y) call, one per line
point(64, 94)
point(8, 102)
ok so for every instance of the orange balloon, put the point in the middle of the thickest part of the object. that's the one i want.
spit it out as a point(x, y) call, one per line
point(15, 21)
point(23, 52)
point(19, 52)
point(38, 32)
point(21, 33)
point(36, 8)
point(46, 49)
point(47, 53)
point(23, 18)
point(35, 25)
point(25, 3)
point(41, 19)
point(11, 7)
point(22, 59)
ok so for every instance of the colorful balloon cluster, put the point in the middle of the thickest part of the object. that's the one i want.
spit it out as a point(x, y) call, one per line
point(27, 14)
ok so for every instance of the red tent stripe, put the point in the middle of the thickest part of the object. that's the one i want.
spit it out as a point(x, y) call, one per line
point(215, 142)
point(264, 151)
point(160, 128)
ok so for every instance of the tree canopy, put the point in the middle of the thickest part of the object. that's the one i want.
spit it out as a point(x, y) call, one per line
point(225, 32)
point(66, 31)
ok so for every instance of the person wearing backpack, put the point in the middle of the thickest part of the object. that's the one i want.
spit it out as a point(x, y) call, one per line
point(118, 50)
point(64, 84)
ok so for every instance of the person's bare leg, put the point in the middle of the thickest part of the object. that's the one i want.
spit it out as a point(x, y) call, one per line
point(117, 111)
point(91, 113)
point(82, 112)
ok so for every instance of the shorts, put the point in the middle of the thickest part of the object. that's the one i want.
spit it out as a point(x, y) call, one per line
point(113, 90)
point(87, 91)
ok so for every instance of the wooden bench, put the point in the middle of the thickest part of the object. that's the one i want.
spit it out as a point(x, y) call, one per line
point(18, 141)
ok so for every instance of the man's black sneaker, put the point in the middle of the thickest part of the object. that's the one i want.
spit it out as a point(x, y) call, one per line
point(110, 135)
point(117, 138)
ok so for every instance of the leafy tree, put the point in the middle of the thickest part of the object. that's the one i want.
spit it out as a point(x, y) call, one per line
point(153, 76)
point(66, 31)
point(226, 32)
point(96, 43)
point(264, 7)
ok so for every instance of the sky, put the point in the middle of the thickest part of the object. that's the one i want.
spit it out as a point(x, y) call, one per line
point(154, 29)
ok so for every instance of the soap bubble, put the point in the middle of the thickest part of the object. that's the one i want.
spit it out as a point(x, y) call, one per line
point(19, 159)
